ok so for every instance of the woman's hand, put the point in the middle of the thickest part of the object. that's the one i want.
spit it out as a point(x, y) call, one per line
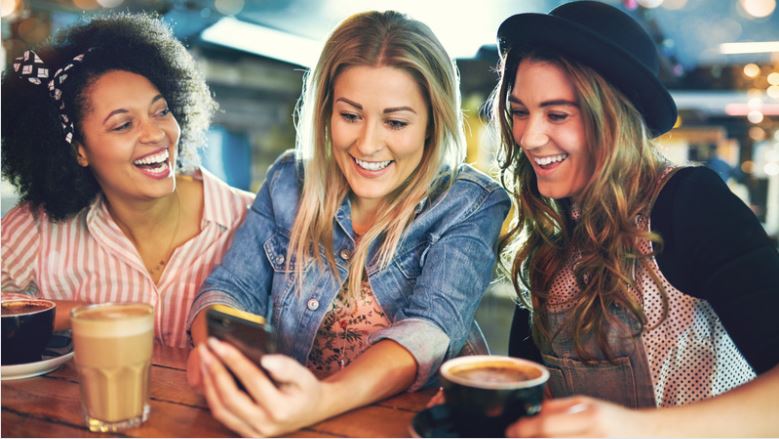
point(269, 409)
point(580, 416)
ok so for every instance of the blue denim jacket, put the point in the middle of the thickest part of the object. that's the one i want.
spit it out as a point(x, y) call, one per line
point(430, 290)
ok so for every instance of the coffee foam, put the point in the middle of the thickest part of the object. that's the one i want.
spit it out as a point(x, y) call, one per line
point(538, 373)
point(44, 304)
point(111, 321)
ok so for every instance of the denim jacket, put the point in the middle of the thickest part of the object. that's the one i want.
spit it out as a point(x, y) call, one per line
point(430, 290)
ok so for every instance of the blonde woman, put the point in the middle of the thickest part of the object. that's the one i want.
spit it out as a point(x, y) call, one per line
point(403, 237)
point(649, 285)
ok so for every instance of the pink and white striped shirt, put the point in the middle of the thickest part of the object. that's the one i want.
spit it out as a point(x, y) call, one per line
point(88, 258)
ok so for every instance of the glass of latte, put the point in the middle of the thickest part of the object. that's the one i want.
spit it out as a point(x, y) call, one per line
point(113, 346)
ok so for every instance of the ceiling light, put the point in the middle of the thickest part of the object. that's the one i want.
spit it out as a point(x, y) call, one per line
point(749, 47)
point(264, 41)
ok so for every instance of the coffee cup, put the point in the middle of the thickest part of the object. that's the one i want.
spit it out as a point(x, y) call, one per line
point(27, 325)
point(486, 393)
point(113, 344)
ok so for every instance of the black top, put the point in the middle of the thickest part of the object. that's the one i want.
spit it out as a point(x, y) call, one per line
point(715, 249)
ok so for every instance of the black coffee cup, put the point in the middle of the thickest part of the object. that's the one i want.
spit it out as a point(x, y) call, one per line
point(27, 325)
point(487, 393)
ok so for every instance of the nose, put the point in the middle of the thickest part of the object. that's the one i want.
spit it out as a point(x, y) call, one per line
point(151, 132)
point(534, 135)
point(370, 141)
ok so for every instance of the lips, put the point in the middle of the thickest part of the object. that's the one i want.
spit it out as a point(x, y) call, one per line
point(372, 169)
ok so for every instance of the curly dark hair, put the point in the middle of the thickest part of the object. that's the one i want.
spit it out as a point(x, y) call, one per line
point(35, 156)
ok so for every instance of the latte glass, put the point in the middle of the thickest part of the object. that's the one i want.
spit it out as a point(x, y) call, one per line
point(113, 346)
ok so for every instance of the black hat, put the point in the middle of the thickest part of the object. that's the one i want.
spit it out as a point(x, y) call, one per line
point(605, 39)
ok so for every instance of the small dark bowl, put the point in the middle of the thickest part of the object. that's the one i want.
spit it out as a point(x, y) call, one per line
point(482, 407)
point(26, 327)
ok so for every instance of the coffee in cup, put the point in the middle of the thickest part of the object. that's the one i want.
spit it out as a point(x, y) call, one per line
point(27, 325)
point(113, 344)
point(486, 393)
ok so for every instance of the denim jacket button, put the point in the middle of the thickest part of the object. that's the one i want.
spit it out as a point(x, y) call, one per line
point(312, 304)
point(345, 254)
point(279, 259)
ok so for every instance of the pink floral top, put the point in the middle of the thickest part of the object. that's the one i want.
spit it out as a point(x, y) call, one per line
point(344, 332)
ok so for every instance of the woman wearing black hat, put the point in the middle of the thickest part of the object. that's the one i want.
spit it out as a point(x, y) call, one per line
point(649, 285)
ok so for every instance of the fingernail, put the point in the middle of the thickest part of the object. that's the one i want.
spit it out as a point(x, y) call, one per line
point(577, 408)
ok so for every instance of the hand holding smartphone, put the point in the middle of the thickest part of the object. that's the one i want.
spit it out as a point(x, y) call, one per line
point(247, 332)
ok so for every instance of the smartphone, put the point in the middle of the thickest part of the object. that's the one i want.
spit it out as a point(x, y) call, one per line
point(248, 332)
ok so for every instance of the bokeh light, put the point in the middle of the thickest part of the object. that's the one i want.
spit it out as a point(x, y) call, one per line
point(86, 4)
point(110, 3)
point(650, 3)
point(228, 7)
point(751, 70)
point(757, 133)
point(773, 91)
point(773, 78)
point(755, 116)
point(8, 7)
point(674, 5)
point(758, 8)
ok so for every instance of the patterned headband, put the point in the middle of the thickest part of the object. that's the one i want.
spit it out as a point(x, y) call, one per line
point(31, 67)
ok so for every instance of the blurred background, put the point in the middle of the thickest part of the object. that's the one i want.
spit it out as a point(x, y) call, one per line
point(720, 59)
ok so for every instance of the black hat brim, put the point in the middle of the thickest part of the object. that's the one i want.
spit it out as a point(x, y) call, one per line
point(620, 68)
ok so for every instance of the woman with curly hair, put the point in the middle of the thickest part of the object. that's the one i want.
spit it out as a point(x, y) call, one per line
point(371, 247)
point(100, 131)
point(648, 285)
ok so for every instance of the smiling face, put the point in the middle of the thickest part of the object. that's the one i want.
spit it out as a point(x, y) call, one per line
point(547, 124)
point(378, 129)
point(130, 137)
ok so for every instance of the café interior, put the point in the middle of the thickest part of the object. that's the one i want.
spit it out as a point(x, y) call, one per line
point(719, 59)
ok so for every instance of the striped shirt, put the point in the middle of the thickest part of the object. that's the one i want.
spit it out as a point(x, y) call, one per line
point(87, 258)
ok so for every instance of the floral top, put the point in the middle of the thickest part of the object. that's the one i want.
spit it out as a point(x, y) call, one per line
point(344, 332)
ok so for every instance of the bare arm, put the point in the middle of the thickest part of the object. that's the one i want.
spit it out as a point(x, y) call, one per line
point(748, 410)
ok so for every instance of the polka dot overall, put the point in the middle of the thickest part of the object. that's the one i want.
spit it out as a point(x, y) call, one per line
point(686, 357)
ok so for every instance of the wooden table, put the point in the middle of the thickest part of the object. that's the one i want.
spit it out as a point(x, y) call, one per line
point(49, 406)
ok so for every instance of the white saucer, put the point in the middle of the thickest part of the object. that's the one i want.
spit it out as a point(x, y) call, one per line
point(54, 357)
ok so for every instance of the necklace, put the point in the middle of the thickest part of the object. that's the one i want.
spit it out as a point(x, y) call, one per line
point(164, 260)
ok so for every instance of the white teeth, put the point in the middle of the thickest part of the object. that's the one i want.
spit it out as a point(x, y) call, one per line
point(158, 169)
point(162, 156)
point(543, 161)
point(373, 166)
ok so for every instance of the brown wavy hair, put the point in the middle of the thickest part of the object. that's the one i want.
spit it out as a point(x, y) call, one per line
point(542, 234)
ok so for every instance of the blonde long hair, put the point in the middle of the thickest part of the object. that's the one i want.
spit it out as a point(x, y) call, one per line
point(627, 166)
point(371, 39)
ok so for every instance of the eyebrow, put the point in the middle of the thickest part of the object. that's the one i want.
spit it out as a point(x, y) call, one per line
point(551, 103)
point(122, 110)
point(386, 110)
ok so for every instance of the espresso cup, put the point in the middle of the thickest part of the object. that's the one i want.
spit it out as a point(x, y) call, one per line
point(113, 344)
point(486, 393)
point(27, 325)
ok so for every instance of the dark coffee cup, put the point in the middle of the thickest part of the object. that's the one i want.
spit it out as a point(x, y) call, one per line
point(27, 325)
point(486, 393)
